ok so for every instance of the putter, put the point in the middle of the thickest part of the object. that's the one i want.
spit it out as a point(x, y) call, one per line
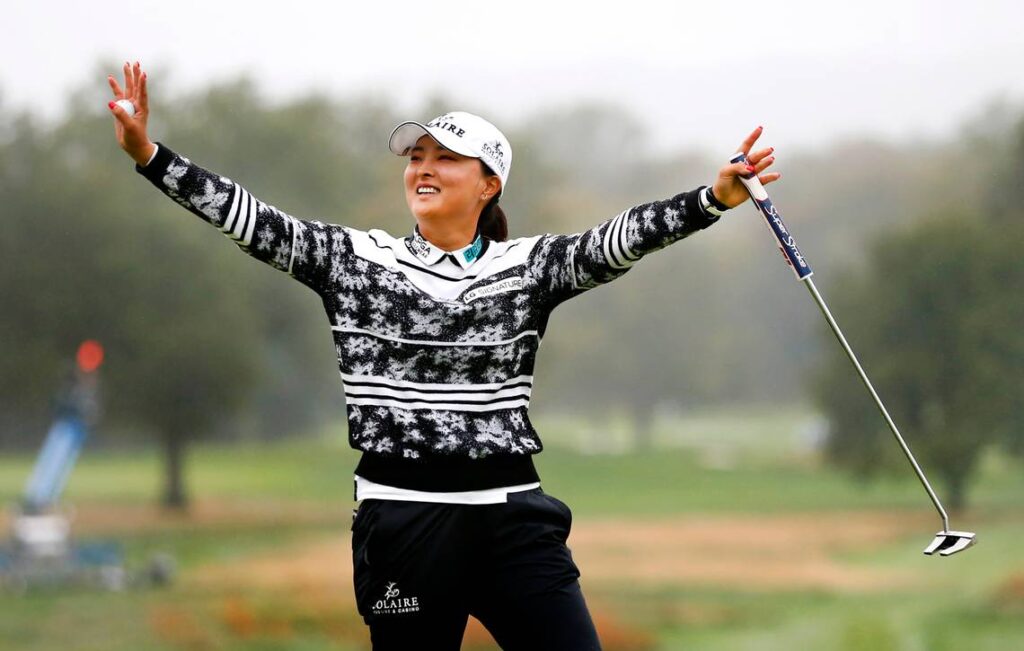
point(946, 542)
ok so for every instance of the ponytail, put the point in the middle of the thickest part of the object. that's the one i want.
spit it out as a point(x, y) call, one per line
point(492, 223)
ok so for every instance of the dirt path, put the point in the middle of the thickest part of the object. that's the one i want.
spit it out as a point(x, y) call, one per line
point(737, 552)
point(756, 552)
point(313, 575)
point(743, 552)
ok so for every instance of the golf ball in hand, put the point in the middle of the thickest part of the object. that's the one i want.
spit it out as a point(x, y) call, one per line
point(127, 105)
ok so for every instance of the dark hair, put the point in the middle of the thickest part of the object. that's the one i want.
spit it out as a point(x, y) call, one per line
point(492, 223)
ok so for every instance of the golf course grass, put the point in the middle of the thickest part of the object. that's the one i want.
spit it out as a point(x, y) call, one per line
point(728, 534)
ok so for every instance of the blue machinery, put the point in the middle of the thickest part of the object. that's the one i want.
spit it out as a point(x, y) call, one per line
point(54, 464)
point(41, 551)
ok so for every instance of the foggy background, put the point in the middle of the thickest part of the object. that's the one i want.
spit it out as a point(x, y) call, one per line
point(696, 402)
point(695, 74)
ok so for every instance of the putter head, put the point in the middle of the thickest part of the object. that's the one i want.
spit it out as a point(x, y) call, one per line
point(948, 543)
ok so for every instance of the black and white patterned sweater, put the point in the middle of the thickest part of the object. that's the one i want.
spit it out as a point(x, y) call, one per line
point(436, 350)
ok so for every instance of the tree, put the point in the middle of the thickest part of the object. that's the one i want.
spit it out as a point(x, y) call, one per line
point(936, 321)
point(90, 258)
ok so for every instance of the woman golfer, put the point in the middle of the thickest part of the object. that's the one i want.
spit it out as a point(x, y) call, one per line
point(437, 334)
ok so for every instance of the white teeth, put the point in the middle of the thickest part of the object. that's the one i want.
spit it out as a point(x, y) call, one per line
point(427, 190)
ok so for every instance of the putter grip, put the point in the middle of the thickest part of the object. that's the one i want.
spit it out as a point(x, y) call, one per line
point(787, 244)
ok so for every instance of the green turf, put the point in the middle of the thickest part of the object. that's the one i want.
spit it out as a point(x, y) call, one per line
point(756, 462)
point(730, 462)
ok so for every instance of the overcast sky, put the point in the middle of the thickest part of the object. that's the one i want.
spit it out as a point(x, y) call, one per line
point(697, 74)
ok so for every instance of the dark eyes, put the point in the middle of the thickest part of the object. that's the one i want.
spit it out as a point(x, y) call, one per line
point(415, 159)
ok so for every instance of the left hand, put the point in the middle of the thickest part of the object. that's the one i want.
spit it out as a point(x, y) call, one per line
point(728, 189)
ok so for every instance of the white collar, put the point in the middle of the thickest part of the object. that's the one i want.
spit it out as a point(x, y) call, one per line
point(430, 254)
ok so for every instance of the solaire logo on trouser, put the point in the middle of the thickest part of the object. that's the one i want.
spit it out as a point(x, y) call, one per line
point(394, 604)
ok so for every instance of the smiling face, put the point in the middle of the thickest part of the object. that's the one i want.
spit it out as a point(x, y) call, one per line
point(443, 185)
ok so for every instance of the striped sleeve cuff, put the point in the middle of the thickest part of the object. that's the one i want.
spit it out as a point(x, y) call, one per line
point(157, 164)
point(710, 204)
point(699, 216)
point(156, 150)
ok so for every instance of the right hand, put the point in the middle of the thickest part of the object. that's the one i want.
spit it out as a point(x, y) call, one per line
point(728, 188)
point(131, 131)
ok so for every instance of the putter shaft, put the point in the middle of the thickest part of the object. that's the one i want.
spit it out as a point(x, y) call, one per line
point(878, 401)
point(800, 266)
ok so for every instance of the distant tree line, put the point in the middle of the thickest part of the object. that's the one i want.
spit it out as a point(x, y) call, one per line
point(203, 341)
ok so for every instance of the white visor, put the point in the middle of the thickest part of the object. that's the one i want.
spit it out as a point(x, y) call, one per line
point(462, 133)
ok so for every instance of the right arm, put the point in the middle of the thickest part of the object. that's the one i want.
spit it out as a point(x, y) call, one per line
point(303, 249)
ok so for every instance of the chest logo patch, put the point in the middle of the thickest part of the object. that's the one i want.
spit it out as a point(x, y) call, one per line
point(512, 284)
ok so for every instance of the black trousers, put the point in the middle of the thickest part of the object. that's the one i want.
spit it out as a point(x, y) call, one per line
point(420, 570)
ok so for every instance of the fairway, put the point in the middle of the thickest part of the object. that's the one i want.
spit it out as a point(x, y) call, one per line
point(677, 548)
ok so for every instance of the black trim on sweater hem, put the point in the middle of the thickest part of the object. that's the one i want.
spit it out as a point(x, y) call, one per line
point(448, 474)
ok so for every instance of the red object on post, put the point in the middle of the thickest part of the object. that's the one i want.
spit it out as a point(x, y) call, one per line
point(90, 355)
